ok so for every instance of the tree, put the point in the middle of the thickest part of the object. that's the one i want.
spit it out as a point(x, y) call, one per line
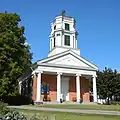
point(15, 55)
point(117, 90)
point(100, 85)
point(107, 83)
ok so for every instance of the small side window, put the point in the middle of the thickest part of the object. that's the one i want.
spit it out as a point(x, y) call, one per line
point(55, 27)
point(67, 26)
point(67, 40)
point(54, 42)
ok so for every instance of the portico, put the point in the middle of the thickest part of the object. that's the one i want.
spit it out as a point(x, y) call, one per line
point(63, 86)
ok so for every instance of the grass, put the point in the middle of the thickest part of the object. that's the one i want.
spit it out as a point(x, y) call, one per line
point(69, 116)
point(81, 106)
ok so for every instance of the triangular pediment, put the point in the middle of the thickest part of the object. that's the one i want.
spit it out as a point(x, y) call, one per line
point(68, 58)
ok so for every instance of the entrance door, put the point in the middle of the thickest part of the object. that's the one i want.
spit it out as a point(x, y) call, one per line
point(65, 88)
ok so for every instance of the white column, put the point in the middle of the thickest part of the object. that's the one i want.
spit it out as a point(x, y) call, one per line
point(94, 89)
point(78, 87)
point(38, 87)
point(76, 42)
point(20, 87)
point(58, 86)
point(50, 43)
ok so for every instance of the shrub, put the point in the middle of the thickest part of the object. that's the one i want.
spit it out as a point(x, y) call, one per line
point(9, 114)
point(13, 115)
point(17, 100)
point(3, 108)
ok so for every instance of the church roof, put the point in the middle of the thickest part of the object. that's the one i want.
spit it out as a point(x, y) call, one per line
point(67, 59)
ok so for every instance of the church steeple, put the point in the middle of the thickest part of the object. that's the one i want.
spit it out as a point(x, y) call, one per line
point(63, 34)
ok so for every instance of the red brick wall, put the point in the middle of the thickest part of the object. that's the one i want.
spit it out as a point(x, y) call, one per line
point(85, 89)
point(34, 88)
point(84, 85)
point(51, 80)
point(72, 88)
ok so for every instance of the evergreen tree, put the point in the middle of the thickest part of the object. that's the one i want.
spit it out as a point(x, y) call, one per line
point(108, 83)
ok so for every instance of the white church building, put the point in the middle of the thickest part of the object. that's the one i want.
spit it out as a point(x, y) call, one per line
point(63, 74)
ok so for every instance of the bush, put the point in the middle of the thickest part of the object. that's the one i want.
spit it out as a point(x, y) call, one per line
point(13, 115)
point(9, 114)
point(17, 100)
point(3, 108)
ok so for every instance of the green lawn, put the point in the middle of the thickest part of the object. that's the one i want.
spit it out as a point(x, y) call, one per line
point(81, 106)
point(69, 116)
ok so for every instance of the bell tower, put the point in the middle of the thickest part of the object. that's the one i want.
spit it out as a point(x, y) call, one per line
point(63, 35)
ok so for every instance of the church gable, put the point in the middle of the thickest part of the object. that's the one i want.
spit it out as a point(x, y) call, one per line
point(68, 58)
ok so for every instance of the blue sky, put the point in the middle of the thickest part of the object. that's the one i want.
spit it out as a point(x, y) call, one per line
point(98, 25)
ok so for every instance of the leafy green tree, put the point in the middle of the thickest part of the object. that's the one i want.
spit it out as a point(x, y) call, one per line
point(117, 90)
point(107, 83)
point(100, 85)
point(15, 55)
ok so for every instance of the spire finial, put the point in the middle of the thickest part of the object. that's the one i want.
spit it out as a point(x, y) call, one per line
point(63, 12)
